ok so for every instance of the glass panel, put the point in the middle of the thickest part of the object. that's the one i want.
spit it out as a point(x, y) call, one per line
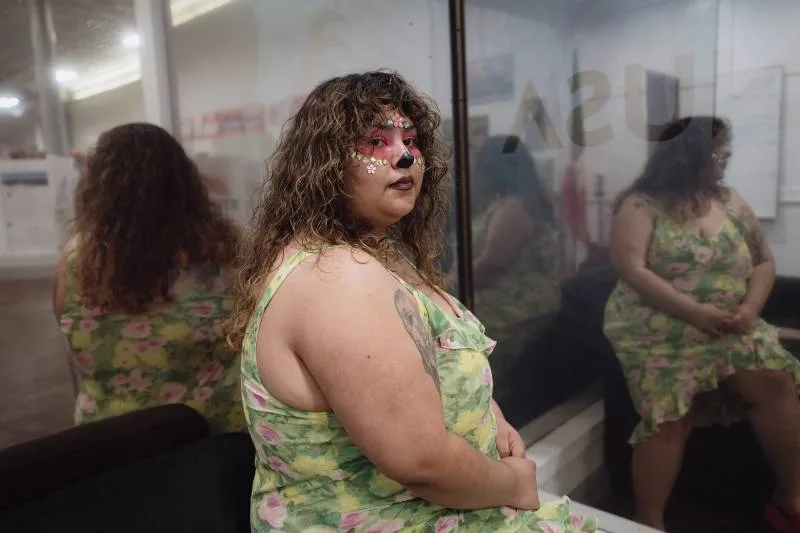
point(554, 139)
point(234, 99)
point(60, 87)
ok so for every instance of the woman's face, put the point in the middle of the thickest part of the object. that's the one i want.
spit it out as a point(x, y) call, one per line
point(720, 156)
point(386, 172)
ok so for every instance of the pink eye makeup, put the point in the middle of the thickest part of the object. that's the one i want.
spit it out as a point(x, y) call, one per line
point(378, 146)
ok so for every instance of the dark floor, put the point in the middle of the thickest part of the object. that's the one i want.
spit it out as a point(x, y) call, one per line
point(36, 392)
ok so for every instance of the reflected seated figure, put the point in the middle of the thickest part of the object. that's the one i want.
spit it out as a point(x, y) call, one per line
point(695, 273)
point(516, 267)
point(142, 289)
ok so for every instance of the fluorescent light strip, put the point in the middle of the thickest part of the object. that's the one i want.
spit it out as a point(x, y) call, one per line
point(185, 10)
point(109, 79)
point(122, 73)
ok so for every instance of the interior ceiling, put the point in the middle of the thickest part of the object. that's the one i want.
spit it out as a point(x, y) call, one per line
point(87, 31)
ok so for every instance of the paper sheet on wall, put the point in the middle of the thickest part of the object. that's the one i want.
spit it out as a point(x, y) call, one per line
point(752, 101)
point(28, 213)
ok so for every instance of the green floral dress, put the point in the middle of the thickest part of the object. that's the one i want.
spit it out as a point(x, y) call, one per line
point(311, 477)
point(670, 365)
point(518, 304)
point(175, 354)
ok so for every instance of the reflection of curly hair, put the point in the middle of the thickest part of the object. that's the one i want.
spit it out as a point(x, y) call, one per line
point(679, 174)
point(504, 166)
point(305, 199)
point(142, 211)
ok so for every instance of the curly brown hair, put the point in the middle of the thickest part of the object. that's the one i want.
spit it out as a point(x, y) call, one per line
point(305, 193)
point(679, 174)
point(143, 211)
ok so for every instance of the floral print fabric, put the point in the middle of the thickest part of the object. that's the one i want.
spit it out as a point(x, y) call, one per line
point(520, 302)
point(175, 354)
point(670, 365)
point(311, 477)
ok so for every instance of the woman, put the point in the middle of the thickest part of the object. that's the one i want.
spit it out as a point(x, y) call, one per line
point(366, 387)
point(516, 266)
point(695, 271)
point(141, 290)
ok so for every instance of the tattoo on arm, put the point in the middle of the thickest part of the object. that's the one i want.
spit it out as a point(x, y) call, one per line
point(418, 332)
point(754, 236)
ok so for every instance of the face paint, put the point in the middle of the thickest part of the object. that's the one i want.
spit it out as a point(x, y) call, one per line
point(371, 162)
point(376, 150)
point(405, 161)
point(399, 121)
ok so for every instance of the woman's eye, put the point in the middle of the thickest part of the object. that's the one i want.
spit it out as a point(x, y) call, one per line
point(377, 142)
point(411, 141)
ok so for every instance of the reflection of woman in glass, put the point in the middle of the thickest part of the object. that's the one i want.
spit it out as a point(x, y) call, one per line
point(695, 272)
point(516, 251)
point(141, 291)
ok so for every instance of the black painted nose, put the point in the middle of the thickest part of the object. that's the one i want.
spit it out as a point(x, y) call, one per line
point(405, 161)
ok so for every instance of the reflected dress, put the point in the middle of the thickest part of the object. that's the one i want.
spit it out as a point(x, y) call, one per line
point(670, 365)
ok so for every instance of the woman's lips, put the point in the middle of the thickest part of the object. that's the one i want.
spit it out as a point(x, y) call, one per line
point(403, 183)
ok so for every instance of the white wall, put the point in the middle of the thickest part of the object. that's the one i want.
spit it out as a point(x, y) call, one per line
point(748, 35)
point(89, 118)
point(257, 56)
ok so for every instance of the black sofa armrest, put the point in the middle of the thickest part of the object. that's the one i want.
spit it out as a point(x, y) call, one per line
point(33, 469)
point(782, 308)
point(203, 487)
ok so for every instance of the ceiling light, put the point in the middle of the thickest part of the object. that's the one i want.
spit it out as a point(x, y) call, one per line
point(131, 40)
point(9, 102)
point(65, 75)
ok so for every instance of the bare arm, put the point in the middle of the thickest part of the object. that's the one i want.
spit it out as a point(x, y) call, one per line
point(508, 227)
point(631, 232)
point(58, 283)
point(763, 277)
point(371, 354)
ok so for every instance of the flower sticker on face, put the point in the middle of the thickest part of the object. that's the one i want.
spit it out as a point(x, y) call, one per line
point(398, 121)
point(372, 168)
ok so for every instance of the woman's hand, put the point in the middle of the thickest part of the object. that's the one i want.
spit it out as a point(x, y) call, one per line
point(745, 319)
point(526, 493)
point(712, 320)
point(509, 441)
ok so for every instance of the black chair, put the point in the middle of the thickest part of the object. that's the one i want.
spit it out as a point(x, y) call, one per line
point(199, 488)
point(562, 359)
point(149, 471)
point(33, 469)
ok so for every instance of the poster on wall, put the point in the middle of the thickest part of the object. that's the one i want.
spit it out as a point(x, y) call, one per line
point(229, 147)
point(64, 174)
point(224, 123)
point(491, 80)
point(27, 208)
point(753, 102)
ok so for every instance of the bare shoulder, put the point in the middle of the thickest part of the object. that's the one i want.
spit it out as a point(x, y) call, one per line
point(516, 213)
point(346, 268)
point(738, 202)
point(339, 282)
point(633, 214)
point(634, 205)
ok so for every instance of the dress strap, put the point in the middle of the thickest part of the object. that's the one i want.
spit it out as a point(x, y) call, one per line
point(423, 310)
